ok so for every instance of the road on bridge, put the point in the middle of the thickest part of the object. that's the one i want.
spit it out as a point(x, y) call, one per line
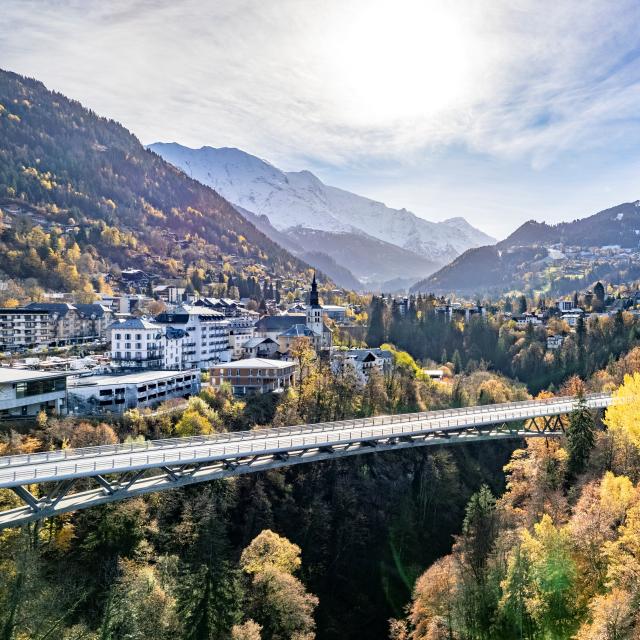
point(122, 471)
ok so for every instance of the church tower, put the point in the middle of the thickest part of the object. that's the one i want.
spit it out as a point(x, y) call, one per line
point(314, 310)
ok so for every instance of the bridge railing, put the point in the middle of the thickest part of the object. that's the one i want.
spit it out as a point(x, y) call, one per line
point(277, 441)
point(63, 454)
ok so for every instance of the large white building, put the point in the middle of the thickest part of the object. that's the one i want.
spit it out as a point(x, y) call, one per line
point(207, 335)
point(139, 343)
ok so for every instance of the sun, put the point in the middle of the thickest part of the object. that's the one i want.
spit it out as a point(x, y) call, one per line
point(398, 60)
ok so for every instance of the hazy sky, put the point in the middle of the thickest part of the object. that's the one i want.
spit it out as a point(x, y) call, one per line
point(497, 110)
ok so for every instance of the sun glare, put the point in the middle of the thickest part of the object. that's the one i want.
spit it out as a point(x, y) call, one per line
point(399, 60)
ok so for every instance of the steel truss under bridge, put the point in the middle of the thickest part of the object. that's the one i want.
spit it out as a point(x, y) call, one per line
point(60, 481)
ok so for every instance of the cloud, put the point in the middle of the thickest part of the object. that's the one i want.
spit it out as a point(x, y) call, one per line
point(540, 78)
point(346, 83)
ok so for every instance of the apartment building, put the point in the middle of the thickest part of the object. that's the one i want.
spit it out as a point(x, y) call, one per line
point(24, 328)
point(207, 335)
point(241, 330)
point(52, 324)
point(139, 343)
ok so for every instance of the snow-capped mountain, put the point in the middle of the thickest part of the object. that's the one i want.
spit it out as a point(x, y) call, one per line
point(300, 200)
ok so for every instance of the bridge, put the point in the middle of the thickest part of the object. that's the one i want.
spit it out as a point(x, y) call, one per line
point(55, 482)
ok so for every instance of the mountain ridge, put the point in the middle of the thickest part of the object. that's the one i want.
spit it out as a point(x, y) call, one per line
point(500, 267)
point(126, 203)
point(299, 199)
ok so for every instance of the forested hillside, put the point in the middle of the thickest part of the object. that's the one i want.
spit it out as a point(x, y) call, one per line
point(94, 190)
point(557, 556)
point(175, 565)
point(524, 262)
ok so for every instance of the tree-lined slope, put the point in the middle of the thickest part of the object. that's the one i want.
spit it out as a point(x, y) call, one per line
point(521, 259)
point(111, 196)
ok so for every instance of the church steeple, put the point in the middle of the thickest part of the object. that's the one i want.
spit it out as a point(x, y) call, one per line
point(314, 299)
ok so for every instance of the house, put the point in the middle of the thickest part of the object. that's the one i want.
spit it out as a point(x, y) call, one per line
point(25, 393)
point(362, 362)
point(565, 305)
point(572, 318)
point(119, 393)
point(241, 330)
point(254, 375)
point(260, 348)
point(135, 278)
point(554, 342)
point(527, 319)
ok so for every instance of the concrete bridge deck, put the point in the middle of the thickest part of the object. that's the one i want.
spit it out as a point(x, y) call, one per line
point(72, 479)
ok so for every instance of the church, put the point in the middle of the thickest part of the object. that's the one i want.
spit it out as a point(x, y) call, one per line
point(285, 328)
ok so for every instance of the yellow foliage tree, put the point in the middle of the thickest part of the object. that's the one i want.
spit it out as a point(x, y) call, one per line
point(623, 416)
point(269, 550)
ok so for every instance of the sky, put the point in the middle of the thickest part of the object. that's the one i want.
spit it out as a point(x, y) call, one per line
point(500, 111)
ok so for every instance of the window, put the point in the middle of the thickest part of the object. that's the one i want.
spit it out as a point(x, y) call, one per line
point(38, 387)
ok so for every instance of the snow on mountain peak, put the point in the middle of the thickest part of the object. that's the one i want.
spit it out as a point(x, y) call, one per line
point(301, 199)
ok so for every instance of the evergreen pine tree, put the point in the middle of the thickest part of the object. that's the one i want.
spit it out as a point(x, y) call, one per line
point(580, 438)
point(376, 333)
point(457, 362)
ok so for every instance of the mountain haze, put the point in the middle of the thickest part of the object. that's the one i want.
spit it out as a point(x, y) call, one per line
point(299, 200)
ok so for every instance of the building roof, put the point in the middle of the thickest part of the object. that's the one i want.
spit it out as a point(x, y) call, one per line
point(255, 363)
point(22, 310)
point(140, 377)
point(362, 354)
point(279, 323)
point(61, 308)
point(134, 274)
point(134, 323)
point(255, 342)
point(181, 314)
point(89, 310)
point(298, 331)
point(9, 374)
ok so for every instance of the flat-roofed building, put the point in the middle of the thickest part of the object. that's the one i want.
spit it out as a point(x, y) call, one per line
point(118, 393)
point(254, 375)
point(26, 393)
